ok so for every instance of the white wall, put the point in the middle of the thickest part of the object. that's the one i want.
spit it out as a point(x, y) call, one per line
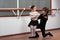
point(56, 4)
point(12, 25)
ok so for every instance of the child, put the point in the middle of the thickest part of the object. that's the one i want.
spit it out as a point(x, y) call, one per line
point(43, 20)
point(34, 22)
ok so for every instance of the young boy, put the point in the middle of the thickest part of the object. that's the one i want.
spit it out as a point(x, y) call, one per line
point(43, 20)
point(34, 22)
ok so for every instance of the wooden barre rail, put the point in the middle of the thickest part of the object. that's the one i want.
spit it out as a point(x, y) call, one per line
point(22, 9)
point(55, 9)
point(18, 9)
point(14, 8)
point(11, 8)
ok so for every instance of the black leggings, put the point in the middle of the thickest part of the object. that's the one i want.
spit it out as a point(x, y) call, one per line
point(43, 32)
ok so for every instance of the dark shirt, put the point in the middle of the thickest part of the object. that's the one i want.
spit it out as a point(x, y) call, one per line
point(43, 20)
point(42, 17)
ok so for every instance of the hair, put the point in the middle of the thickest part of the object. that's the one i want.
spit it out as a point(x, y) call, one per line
point(32, 6)
point(46, 10)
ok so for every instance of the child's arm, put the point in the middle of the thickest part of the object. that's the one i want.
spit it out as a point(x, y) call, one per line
point(40, 16)
point(32, 16)
point(36, 16)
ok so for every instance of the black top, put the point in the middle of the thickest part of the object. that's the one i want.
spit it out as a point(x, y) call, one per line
point(43, 21)
point(42, 17)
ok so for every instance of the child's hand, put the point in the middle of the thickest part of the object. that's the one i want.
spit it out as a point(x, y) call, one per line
point(45, 16)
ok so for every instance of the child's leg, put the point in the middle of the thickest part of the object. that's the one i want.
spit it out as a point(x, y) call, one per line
point(43, 31)
point(31, 29)
point(45, 34)
point(34, 30)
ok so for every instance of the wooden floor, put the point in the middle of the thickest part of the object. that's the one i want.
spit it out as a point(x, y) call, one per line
point(56, 36)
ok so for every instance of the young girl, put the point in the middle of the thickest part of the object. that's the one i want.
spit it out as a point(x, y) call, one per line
point(34, 22)
point(43, 20)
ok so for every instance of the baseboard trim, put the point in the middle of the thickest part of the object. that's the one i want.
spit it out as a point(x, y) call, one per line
point(26, 33)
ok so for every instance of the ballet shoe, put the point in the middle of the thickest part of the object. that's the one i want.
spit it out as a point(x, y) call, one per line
point(37, 34)
point(33, 37)
point(50, 34)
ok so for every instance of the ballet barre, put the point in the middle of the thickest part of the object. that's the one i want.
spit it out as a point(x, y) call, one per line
point(22, 10)
point(2, 9)
point(56, 9)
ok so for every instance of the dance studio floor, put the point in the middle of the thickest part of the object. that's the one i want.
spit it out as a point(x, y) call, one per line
point(56, 36)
